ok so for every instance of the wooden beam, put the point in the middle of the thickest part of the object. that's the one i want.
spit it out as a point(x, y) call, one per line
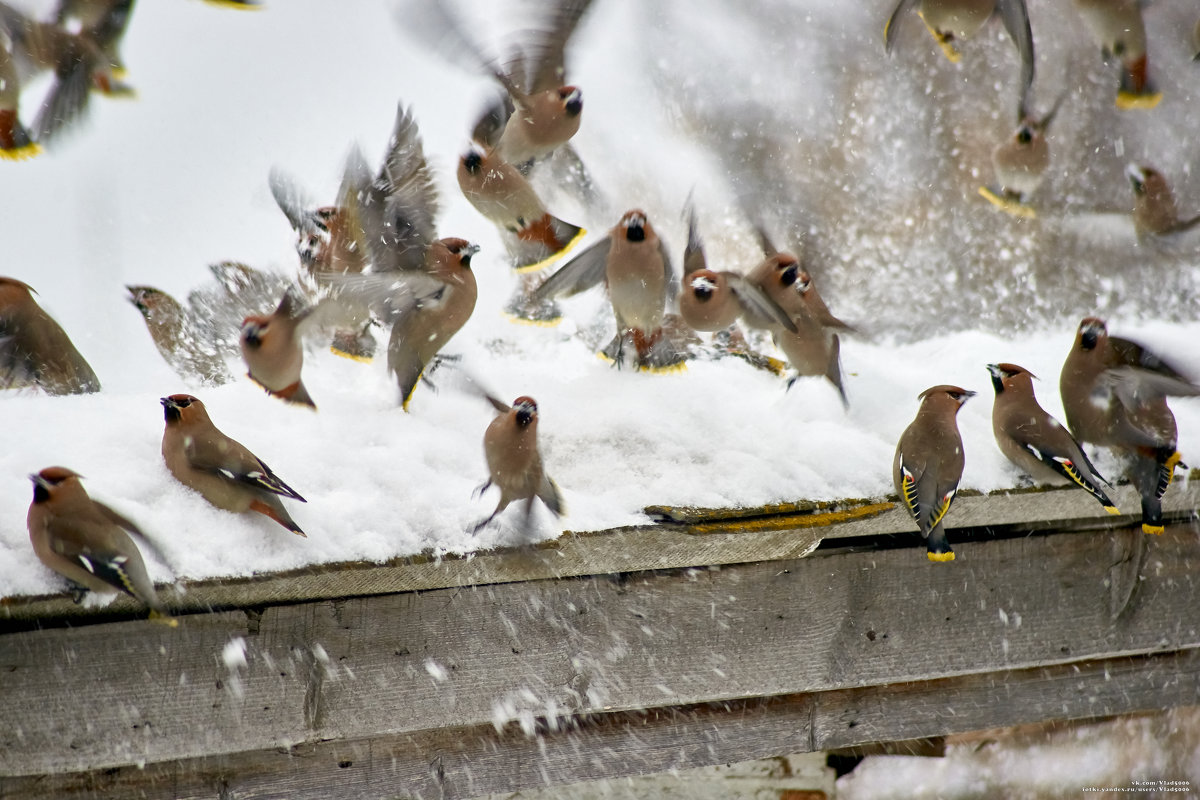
point(467, 762)
point(106, 696)
point(651, 547)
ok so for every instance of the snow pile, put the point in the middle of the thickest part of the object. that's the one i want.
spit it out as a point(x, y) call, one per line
point(152, 191)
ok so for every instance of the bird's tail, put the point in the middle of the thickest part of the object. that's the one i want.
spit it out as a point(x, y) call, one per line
point(15, 142)
point(542, 242)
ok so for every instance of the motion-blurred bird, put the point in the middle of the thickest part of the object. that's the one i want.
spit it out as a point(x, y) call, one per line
point(1035, 441)
point(102, 21)
point(273, 352)
point(85, 541)
point(929, 464)
point(515, 462)
point(34, 349)
point(634, 265)
point(714, 300)
point(1114, 392)
point(501, 193)
point(78, 63)
point(814, 347)
point(951, 21)
point(539, 112)
point(178, 337)
point(1154, 209)
point(16, 143)
point(1020, 163)
point(431, 313)
point(1117, 26)
point(222, 470)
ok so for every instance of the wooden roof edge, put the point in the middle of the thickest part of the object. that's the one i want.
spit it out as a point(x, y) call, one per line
point(784, 531)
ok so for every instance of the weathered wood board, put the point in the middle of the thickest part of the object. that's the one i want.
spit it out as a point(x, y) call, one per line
point(402, 670)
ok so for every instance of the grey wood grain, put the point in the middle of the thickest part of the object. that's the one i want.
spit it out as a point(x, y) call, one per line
point(467, 762)
point(108, 695)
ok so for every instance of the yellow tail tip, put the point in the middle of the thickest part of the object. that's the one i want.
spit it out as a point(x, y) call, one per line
point(940, 558)
point(240, 6)
point(22, 153)
point(1173, 461)
point(164, 619)
point(1112, 509)
point(537, 323)
point(1137, 101)
point(522, 269)
point(1154, 530)
point(352, 356)
point(670, 369)
point(1008, 206)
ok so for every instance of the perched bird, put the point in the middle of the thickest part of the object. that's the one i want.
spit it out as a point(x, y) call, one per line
point(814, 347)
point(178, 337)
point(1154, 210)
point(929, 464)
point(1114, 393)
point(85, 541)
point(78, 63)
point(34, 349)
point(271, 348)
point(634, 265)
point(514, 461)
point(222, 470)
point(1020, 163)
point(501, 193)
point(1117, 26)
point(951, 21)
point(1035, 441)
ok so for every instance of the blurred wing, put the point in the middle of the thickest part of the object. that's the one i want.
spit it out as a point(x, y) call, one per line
point(389, 295)
point(406, 178)
point(1016, 22)
point(299, 209)
point(693, 253)
point(889, 29)
point(582, 272)
point(1137, 374)
point(548, 46)
point(671, 280)
point(757, 302)
point(66, 103)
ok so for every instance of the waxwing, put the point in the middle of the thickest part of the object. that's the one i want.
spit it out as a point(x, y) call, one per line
point(272, 349)
point(951, 21)
point(222, 470)
point(1037, 442)
point(714, 300)
point(1154, 210)
point(177, 336)
point(929, 464)
point(85, 541)
point(77, 61)
point(634, 265)
point(1114, 393)
point(514, 461)
point(102, 21)
point(1117, 26)
point(1020, 163)
point(34, 349)
point(16, 143)
point(426, 314)
point(500, 193)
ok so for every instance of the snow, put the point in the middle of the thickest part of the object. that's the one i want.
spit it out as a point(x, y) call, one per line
point(151, 191)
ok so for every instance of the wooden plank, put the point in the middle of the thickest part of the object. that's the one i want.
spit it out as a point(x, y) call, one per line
point(110, 695)
point(468, 762)
point(653, 547)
